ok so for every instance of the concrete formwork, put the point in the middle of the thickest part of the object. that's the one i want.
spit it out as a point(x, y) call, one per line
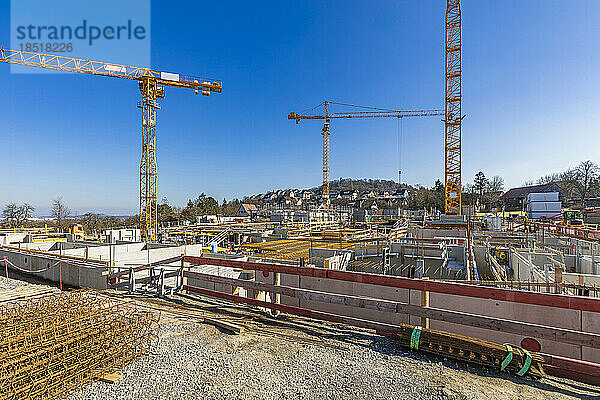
point(72, 272)
point(88, 266)
point(543, 315)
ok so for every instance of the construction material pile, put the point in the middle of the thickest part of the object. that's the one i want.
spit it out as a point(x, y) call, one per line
point(56, 343)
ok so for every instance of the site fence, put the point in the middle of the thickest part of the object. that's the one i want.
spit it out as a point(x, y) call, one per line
point(561, 230)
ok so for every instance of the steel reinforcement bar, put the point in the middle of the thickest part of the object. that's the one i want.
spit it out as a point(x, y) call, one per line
point(53, 344)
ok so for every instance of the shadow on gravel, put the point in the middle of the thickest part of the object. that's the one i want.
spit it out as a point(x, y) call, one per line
point(382, 345)
point(548, 384)
point(316, 330)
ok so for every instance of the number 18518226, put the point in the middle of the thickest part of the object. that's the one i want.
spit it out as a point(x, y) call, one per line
point(47, 47)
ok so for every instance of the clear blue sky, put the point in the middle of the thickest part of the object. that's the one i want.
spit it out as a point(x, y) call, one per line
point(530, 84)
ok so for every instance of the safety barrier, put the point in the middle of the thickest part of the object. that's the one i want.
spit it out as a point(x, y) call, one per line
point(373, 302)
point(570, 231)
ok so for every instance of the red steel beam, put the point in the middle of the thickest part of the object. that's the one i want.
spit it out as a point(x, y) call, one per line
point(582, 371)
point(500, 294)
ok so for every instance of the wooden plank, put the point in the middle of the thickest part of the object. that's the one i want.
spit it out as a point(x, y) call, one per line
point(110, 378)
point(228, 326)
point(479, 321)
point(501, 294)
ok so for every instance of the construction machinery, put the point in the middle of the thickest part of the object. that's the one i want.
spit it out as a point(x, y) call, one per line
point(151, 85)
point(572, 217)
point(77, 231)
point(322, 112)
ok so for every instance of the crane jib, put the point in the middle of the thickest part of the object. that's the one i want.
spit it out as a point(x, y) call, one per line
point(69, 64)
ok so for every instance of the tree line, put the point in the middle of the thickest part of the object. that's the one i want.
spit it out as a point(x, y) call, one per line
point(202, 205)
point(15, 216)
point(577, 184)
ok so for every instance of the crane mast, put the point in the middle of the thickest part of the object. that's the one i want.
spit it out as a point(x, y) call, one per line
point(453, 118)
point(148, 172)
point(326, 115)
point(152, 87)
point(325, 132)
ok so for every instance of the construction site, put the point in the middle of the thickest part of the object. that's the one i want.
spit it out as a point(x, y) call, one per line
point(303, 303)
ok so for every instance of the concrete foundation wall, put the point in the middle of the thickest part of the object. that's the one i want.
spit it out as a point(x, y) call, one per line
point(430, 233)
point(122, 256)
point(72, 275)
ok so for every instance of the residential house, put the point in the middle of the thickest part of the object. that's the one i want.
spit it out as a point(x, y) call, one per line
point(306, 195)
point(247, 210)
point(515, 198)
point(348, 195)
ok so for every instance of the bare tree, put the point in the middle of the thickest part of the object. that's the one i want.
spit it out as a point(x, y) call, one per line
point(494, 188)
point(25, 212)
point(496, 184)
point(60, 212)
point(90, 222)
point(17, 215)
point(11, 214)
point(586, 175)
point(554, 177)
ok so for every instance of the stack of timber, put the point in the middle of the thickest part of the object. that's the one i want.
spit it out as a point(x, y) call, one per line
point(470, 350)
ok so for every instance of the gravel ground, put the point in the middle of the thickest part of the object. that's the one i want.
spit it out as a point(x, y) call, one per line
point(8, 284)
point(197, 361)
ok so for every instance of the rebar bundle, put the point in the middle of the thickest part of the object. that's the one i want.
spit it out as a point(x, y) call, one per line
point(54, 344)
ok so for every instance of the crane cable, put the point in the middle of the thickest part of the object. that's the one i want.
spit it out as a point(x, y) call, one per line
point(399, 132)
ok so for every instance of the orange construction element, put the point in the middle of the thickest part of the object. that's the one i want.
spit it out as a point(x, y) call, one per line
point(453, 109)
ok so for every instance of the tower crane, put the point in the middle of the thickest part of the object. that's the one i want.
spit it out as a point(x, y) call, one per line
point(322, 112)
point(151, 85)
point(453, 118)
point(452, 115)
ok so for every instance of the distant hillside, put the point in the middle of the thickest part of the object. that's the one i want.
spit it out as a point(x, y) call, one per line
point(363, 185)
point(341, 191)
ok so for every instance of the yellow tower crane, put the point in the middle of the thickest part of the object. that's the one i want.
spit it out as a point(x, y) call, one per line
point(322, 112)
point(151, 85)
